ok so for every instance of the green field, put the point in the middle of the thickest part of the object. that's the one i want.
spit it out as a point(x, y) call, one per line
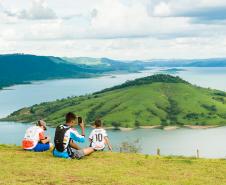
point(154, 100)
point(20, 167)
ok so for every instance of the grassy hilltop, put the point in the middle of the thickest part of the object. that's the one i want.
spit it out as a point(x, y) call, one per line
point(154, 100)
point(20, 167)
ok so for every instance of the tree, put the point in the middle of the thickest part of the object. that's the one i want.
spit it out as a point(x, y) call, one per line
point(137, 123)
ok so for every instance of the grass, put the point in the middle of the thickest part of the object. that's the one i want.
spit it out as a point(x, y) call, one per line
point(142, 102)
point(20, 167)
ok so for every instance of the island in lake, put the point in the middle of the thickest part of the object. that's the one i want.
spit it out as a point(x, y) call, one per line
point(150, 101)
point(171, 70)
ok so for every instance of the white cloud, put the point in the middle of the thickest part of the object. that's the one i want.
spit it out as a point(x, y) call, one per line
point(202, 10)
point(161, 9)
point(125, 48)
point(118, 20)
point(38, 10)
point(130, 29)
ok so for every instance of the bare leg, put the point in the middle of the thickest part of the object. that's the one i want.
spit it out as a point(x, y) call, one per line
point(74, 145)
point(88, 150)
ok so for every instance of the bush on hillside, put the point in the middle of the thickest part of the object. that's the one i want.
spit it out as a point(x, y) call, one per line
point(130, 147)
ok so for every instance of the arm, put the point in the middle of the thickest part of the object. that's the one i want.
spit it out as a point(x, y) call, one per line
point(74, 135)
point(91, 137)
point(74, 145)
point(43, 139)
point(108, 143)
point(82, 125)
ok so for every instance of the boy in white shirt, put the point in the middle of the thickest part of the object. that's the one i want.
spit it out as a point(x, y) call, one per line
point(98, 137)
point(35, 140)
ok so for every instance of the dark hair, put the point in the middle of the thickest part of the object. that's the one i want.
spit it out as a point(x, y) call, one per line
point(70, 117)
point(39, 123)
point(97, 123)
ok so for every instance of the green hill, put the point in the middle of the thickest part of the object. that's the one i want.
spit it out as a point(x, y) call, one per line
point(21, 167)
point(154, 100)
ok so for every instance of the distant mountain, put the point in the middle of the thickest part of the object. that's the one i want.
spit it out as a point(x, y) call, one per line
point(215, 62)
point(153, 100)
point(208, 63)
point(22, 68)
point(103, 62)
point(83, 60)
point(18, 68)
point(107, 64)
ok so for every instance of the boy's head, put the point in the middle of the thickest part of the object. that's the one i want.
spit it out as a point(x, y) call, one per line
point(97, 123)
point(70, 119)
point(42, 124)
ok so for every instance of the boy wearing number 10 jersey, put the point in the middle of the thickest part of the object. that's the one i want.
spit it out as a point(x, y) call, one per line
point(98, 137)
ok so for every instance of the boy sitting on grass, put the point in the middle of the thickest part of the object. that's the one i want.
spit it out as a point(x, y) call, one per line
point(35, 140)
point(98, 137)
point(66, 137)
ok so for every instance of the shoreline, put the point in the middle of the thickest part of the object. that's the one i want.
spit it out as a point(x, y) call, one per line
point(167, 128)
point(200, 126)
point(110, 74)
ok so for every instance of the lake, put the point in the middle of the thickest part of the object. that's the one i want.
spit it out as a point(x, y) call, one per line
point(214, 78)
point(18, 96)
point(211, 143)
point(177, 142)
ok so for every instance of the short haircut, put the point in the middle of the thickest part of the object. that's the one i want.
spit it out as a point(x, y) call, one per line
point(97, 123)
point(70, 117)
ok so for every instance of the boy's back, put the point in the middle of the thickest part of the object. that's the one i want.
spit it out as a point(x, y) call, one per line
point(98, 138)
point(32, 136)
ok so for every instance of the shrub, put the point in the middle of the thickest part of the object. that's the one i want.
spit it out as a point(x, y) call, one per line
point(220, 99)
point(137, 123)
point(220, 94)
point(164, 122)
point(192, 116)
point(210, 107)
point(115, 124)
point(172, 111)
point(130, 147)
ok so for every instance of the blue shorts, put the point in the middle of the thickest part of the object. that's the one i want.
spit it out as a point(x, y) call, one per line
point(40, 147)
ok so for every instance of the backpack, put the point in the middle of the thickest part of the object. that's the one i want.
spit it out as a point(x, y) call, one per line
point(59, 137)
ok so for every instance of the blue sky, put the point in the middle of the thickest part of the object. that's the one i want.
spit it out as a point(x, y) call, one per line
point(120, 29)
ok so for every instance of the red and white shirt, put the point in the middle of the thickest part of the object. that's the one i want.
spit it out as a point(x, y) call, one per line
point(32, 136)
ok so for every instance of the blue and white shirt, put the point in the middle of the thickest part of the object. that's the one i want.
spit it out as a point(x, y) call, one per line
point(73, 134)
point(70, 134)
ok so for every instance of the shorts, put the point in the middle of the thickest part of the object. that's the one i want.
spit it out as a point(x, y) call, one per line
point(40, 147)
point(98, 150)
point(78, 154)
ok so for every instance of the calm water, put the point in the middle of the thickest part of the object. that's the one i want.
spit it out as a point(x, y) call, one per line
point(206, 77)
point(26, 95)
point(19, 96)
point(210, 142)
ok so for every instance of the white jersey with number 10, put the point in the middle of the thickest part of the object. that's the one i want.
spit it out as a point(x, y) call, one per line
point(98, 138)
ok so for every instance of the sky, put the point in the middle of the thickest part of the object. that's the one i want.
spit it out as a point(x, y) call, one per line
point(118, 29)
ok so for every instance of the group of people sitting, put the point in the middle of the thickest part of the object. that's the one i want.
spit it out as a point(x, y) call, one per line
point(66, 138)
